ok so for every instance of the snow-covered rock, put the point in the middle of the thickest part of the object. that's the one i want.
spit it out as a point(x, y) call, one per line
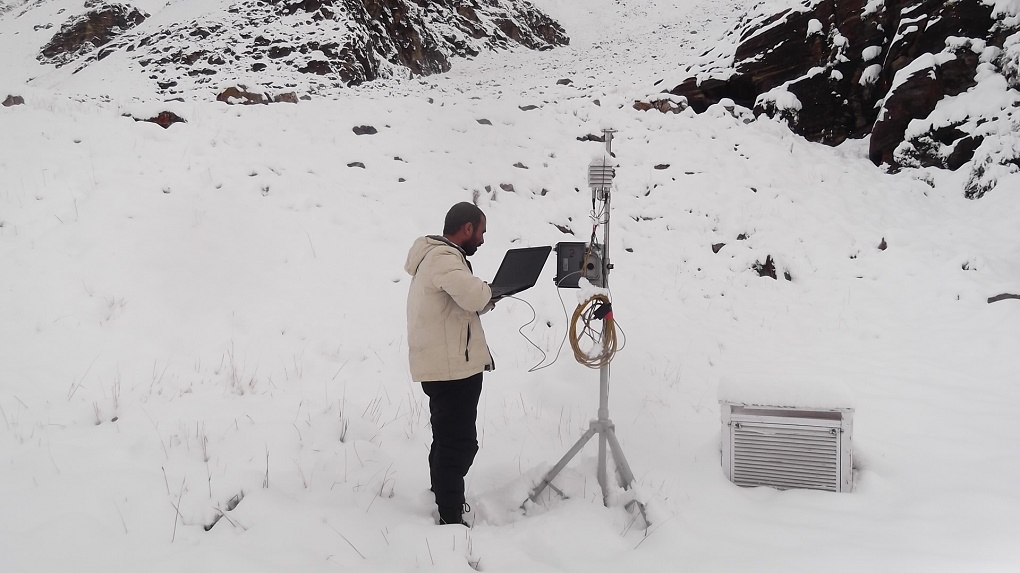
point(905, 73)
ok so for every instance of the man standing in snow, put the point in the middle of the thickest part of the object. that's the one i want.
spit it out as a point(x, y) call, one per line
point(447, 348)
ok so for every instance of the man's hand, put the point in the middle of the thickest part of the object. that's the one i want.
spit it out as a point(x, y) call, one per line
point(490, 306)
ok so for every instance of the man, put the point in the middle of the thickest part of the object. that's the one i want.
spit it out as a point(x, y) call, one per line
point(447, 349)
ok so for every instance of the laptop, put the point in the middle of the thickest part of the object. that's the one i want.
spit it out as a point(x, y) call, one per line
point(519, 271)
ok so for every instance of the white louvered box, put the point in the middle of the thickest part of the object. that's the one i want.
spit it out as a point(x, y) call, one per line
point(788, 448)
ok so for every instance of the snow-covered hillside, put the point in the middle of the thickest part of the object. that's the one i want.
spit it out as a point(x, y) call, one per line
point(195, 49)
point(202, 335)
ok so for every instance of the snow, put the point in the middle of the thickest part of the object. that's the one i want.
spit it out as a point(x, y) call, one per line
point(205, 324)
point(781, 97)
point(873, 7)
point(871, 52)
point(803, 390)
point(871, 74)
point(1007, 7)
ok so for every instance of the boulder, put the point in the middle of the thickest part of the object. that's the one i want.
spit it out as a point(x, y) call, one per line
point(13, 100)
point(164, 119)
point(241, 95)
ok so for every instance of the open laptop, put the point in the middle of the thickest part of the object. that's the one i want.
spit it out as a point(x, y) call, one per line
point(519, 271)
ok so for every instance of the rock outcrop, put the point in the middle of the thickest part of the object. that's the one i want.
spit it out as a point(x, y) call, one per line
point(278, 46)
point(84, 33)
point(904, 72)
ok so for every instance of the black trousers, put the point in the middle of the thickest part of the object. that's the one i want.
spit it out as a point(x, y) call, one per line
point(454, 408)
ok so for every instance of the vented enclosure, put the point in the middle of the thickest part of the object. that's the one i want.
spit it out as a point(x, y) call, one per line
point(788, 448)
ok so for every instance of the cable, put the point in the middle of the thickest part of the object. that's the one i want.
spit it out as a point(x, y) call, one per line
point(597, 307)
point(534, 316)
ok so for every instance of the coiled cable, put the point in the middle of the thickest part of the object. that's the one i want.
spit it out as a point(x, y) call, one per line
point(604, 342)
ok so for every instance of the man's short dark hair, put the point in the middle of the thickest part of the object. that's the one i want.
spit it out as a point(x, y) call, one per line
point(461, 214)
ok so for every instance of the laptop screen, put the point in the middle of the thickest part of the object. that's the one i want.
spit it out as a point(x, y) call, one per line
point(521, 267)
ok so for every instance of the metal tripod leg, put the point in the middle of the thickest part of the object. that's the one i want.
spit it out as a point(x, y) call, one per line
point(601, 472)
point(547, 480)
point(607, 437)
point(624, 472)
point(622, 467)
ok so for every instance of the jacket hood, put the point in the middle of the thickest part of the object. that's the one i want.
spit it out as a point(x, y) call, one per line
point(421, 247)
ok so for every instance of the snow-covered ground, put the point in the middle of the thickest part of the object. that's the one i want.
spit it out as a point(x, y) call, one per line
point(205, 325)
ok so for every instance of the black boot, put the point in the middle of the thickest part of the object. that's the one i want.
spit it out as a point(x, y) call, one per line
point(454, 515)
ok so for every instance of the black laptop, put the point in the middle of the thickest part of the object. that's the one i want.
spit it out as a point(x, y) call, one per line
point(519, 271)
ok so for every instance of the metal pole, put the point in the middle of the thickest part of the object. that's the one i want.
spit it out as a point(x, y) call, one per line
point(604, 422)
point(603, 426)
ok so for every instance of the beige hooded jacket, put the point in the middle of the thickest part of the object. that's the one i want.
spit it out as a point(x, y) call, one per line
point(444, 332)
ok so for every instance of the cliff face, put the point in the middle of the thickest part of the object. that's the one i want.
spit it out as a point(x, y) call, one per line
point(275, 45)
point(906, 72)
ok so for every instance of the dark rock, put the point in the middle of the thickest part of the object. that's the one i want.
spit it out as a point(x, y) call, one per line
point(508, 187)
point(520, 165)
point(947, 147)
point(592, 137)
point(356, 164)
point(82, 34)
point(365, 130)
point(13, 100)
point(164, 119)
point(701, 95)
point(484, 121)
point(914, 99)
point(718, 247)
point(277, 52)
point(766, 269)
point(1003, 296)
point(319, 68)
point(963, 151)
point(527, 107)
point(662, 166)
point(564, 82)
point(883, 245)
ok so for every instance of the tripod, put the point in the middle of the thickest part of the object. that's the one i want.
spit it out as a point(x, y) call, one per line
point(600, 180)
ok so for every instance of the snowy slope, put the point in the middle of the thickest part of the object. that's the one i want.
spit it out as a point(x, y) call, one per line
point(194, 49)
point(204, 326)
